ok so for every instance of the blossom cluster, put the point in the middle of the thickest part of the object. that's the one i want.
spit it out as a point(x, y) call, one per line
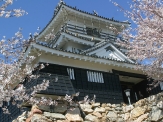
point(10, 13)
point(145, 41)
point(15, 68)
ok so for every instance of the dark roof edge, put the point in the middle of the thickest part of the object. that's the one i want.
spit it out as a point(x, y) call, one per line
point(123, 73)
point(74, 8)
point(70, 34)
point(85, 55)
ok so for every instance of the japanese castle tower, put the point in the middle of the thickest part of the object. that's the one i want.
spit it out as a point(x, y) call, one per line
point(85, 49)
point(85, 58)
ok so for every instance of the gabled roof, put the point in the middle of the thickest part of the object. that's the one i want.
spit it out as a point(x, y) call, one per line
point(69, 35)
point(74, 9)
point(55, 49)
point(102, 45)
point(113, 20)
point(95, 47)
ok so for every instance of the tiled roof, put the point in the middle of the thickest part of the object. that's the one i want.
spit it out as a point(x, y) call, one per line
point(51, 42)
point(74, 8)
point(97, 46)
point(71, 34)
point(93, 56)
point(87, 39)
point(96, 15)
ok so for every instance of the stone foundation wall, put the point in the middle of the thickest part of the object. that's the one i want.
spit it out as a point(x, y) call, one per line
point(146, 110)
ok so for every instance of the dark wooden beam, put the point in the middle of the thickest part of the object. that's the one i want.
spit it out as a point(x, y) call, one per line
point(126, 83)
point(129, 74)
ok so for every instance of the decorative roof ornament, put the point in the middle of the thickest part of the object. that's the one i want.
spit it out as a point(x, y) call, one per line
point(61, 2)
point(56, 10)
point(127, 21)
point(58, 6)
point(95, 13)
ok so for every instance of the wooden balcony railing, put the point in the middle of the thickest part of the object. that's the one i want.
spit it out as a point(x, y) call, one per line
point(90, 31)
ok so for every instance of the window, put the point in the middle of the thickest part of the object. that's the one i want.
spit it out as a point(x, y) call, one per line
point(95, 77)
point(8, 103)
point(161, 86)
point(93, 32)
point(75, 50)
point(71, 73)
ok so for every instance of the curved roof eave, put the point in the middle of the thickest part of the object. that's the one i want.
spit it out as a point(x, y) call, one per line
point(56, 14)
point(49, 49)
point(97, 16)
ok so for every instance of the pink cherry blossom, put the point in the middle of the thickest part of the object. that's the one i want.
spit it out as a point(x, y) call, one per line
point(145, 41)
point(10, 13)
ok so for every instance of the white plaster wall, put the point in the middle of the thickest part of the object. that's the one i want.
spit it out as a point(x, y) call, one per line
point(54, 59)
point(69, 45)
point(110, 54)
point(88, 23)
point(107, 54)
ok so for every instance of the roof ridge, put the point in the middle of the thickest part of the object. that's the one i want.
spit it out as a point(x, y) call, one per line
point(98, 45)
point(80, 37)
point(84, 54)
point(58, 7)
point(111, 19)
point(54, 40)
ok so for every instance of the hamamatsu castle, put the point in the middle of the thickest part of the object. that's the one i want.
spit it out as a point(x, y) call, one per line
point(85, 58)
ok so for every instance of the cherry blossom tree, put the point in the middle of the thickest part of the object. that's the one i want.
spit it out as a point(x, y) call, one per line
point(15, 67)
point(145, 41)
point(4, 12)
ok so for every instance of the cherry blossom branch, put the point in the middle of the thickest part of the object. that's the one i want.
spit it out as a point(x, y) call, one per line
point(10, 13)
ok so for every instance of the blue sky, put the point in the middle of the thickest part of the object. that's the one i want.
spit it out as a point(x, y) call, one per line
point(41, 11)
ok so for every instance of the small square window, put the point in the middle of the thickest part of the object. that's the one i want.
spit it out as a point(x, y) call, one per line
point(95, 77)
point(70, 72)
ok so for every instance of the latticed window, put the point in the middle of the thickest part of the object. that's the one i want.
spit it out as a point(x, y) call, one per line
point(95, 77)
point(161, 85)
point(71, 73)
point(93, 32)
